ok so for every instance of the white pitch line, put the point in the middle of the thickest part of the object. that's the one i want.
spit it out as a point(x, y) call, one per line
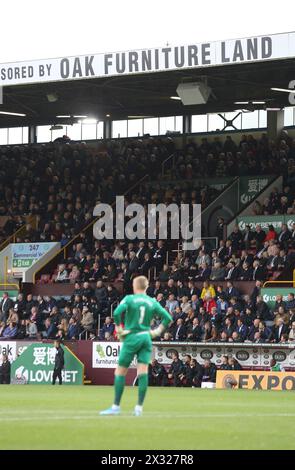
point(145, 415)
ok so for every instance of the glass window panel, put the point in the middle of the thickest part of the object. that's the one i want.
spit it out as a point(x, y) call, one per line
point(88, 131)
point(166, 124)
point(199, 123)
point(3, 136)
point(262, 118)
point(15, 135)
point(59, 133)
point(216, 123)
point(178, 123)
point(119, 129)
point(250, 120)
point(99, 131)
point(43, 134)
point(151, 126)
point(134, 127)
point(25, 135)
point(289, 116)
point(74, 131)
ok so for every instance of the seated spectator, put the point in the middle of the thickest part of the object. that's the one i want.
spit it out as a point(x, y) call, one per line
point(292, 333)
point(242, 330)
point(185, 376)
point(107, 327)
point(224, 363)
point(209, 303)
point(108, 336)
point(9, 331)
point(74, 329)
point(179, 331)
point(63, 327)
point(74, 274)
point(290, 304)
point(194, 331)
point(265, 332)
point(62, 274)
point(209, 372)
point(233, 364)
point(31, 329)
point(223, 337)
point(196, 374)
point(217, 272)
point(262, 310)
point(167, 336)
point(87, 321)
point(164, 275)
point(271, 234)
point(157, 374)
point(231, 291)
point(176, 370)
point(278, 330)
point(171, 304)
point(207, 289)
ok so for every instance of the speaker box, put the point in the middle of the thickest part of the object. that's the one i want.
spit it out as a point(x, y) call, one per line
point(193, 93)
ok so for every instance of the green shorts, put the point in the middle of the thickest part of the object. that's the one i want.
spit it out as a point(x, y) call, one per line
point(136, 344)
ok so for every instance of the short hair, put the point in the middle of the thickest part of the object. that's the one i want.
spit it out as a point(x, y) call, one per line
point(141, 282)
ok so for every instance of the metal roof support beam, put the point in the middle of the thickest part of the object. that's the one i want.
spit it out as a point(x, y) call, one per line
point(107, 129)
point(275, 123)
point(187, 124)
point(32, 134)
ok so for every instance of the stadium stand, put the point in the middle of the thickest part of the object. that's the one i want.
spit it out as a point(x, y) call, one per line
point(204, 290)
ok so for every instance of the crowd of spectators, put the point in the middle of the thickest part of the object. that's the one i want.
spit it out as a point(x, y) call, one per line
point(250, 156)
point(246, 255)
point(61, 184)
point(45, 317)
point(210, 314)
point(217, 314)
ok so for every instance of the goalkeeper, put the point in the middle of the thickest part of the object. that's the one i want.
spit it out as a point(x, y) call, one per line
point(136, 313)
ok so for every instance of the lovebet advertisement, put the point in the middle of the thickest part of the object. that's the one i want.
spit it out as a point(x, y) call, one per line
point(35, 366)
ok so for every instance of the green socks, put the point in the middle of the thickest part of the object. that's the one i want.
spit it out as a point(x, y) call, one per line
point(119, 388)
point(120, 384)
point(142, 388)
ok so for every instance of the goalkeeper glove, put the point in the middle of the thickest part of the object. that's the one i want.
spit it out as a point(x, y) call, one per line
point(121, 333)
point(157, 331)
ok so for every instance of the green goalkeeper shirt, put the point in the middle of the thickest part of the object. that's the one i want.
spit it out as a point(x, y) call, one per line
point(138, 310)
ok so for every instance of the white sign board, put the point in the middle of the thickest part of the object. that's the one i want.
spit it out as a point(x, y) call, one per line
point(105, 355)
point(24, 255)
point(232, 51)
point(8, 348)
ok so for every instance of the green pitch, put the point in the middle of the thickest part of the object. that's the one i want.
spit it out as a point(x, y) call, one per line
point(46, 417)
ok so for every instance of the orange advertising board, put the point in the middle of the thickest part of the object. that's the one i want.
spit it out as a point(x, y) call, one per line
point(255, 380)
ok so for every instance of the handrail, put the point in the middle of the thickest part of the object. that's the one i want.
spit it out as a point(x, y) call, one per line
point(63, 249)
point(167, 159)
point(16, 286)
point(280, 282)
point(227, 187)
point(112, 307)
point(255, 198)
point(12, 238)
